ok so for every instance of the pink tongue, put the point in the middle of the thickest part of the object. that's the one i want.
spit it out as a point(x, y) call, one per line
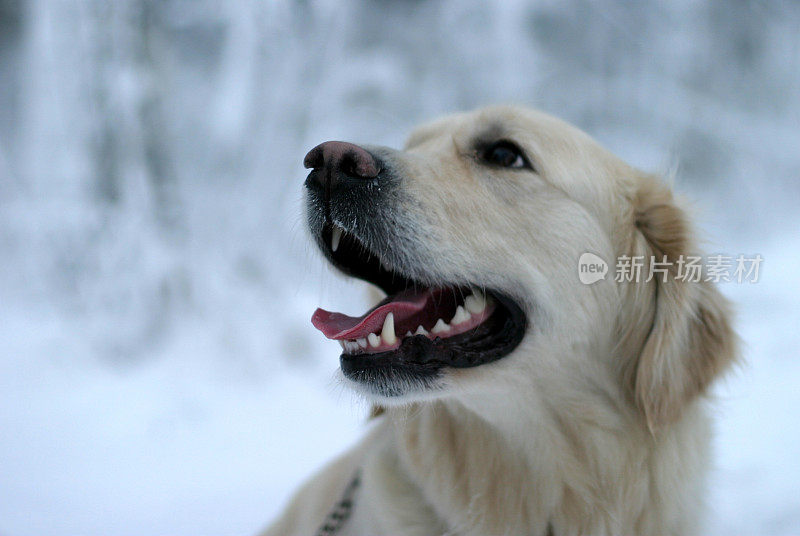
point(340, 326)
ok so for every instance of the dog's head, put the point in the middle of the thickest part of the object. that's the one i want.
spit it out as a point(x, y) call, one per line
point(474, 232)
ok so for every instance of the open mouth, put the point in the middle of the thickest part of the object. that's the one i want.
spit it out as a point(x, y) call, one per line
point(417, 329)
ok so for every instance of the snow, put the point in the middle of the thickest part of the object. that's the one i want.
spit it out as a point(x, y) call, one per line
point(176, 446)
point(160, 374)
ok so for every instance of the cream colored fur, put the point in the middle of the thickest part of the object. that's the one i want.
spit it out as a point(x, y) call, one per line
point(596, 424)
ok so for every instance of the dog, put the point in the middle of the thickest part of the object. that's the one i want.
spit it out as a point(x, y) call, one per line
point(509, 396)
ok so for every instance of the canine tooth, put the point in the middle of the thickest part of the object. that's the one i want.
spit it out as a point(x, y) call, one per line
point(362, 342)
point(387, 333)
point(460, 316)
point(374, 340)
point(336, 235)
point(341, 343)
point(440, 327)
point(408, 333)
point(475, 303)
point(420, 331)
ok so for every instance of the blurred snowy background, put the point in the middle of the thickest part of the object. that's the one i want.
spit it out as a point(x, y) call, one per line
point(159, 374)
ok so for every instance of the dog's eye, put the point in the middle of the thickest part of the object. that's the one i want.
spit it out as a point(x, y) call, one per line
point(505, 154)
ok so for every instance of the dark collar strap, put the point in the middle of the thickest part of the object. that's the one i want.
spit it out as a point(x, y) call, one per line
point(341, 510)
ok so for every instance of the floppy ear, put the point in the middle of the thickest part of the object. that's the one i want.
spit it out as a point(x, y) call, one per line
point(690, 340)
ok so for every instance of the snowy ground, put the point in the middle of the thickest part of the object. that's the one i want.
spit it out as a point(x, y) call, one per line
point(183, 444)
point(755, 485)
point(159, 373)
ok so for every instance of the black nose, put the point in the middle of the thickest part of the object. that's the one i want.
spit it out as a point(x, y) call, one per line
point(334, 161)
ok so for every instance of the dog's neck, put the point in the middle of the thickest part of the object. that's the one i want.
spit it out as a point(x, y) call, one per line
point(481, 467)
point(462, 465)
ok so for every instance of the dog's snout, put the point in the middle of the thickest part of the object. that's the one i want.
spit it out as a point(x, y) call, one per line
point(336, 160)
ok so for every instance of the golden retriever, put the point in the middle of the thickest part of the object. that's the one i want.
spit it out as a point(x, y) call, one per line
point(511, 397)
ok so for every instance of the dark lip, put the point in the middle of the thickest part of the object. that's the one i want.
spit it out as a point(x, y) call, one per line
point(368, 266)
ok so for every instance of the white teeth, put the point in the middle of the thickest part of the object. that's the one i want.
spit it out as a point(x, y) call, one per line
point(460, 316)
point(374, 340)
point(336, 235)
point(387, 333)
point(362, 342)
point(440, 327)
point(420, 331)
point(349, 346)
point(408, 333)
point(475, 303)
